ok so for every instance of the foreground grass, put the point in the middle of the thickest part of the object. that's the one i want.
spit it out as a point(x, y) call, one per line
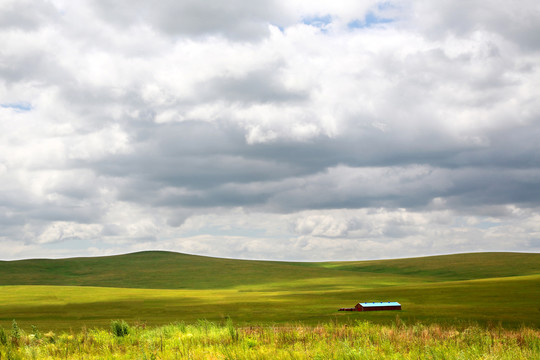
point(206, 340)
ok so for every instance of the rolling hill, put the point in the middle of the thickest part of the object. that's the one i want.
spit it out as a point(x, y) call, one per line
point(159, 287)
point(169, 270)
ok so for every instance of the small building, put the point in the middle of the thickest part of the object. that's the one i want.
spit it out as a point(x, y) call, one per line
point(377, 306)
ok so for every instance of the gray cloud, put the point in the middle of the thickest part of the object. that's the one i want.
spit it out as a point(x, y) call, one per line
point(26, 15)
point(259, 86)
point(169, 168)
point(194, 127)
point(235, 19)
point(518, 24)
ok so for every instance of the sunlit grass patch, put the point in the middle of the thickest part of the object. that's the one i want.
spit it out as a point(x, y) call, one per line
point(511, 301)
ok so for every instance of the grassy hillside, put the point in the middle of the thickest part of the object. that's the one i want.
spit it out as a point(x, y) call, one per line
point(167, 270)
point(160, 288)
point(451, 267)
point(153, 269)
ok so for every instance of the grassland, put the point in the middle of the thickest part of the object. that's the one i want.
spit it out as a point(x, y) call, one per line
point(206, 340)
point(168, 270)
point(157, 288)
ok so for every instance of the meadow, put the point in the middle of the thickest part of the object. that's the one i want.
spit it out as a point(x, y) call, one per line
point(159, 288)
point(207, 340)
point(465, 306)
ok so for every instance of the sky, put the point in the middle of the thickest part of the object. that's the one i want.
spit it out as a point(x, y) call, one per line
point(269, 129)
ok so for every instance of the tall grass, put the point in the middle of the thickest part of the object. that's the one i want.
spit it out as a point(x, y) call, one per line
point(207, 340)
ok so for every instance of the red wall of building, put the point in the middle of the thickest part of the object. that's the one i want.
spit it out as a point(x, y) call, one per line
point(377, 308)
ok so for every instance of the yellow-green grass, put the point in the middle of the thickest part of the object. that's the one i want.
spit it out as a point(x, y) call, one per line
point(158, 288)
point(511, 302)
point(206, 340)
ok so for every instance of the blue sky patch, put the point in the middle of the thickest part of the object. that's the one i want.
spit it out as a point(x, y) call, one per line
point(281, 28)
point(18, 106)
point(369, 20)
point(487, 224)
point(318, 21)
point(386, 5)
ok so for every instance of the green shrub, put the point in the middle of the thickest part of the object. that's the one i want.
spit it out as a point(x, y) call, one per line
point(119, 328)
point(36, 332)
point(15, 331)
point(3, 336)
point(250, 342)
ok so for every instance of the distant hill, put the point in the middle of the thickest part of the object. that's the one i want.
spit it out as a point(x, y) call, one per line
point(154, 269)
point(169, 270)
point(451, 267)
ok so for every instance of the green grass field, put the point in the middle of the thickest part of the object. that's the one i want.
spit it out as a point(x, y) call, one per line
point(158, 288)
point(206, 340)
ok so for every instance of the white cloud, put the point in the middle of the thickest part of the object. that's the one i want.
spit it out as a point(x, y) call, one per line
point(62, 231)
point(269, 130)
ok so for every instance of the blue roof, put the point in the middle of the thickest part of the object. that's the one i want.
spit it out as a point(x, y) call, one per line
point(388, 303)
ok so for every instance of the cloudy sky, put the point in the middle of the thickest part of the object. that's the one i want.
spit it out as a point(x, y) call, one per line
point(269, 129)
